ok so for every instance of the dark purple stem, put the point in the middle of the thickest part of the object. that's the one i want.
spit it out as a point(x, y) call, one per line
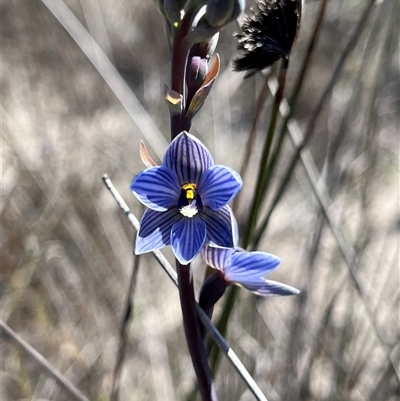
point(192, 332)
point(180, 54)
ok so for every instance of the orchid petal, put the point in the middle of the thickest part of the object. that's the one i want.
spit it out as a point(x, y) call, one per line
point(218, 258)
point(269, 287)
point(155, 228)
point(187, 238)
point(218, 186)
point(157, 188)
point(188, 157)
point(163, 221)
point(253, 263)
point(221, 227)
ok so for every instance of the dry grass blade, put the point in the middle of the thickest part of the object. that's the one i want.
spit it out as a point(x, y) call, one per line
point(222, 344)
point(123, 335)
point(50, 370)
point(110, 75)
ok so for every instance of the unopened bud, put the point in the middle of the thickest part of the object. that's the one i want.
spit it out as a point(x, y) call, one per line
point(196, 72)
point(218, 14)
point(212, 290)
point(206, 48)
point(197, 99)
point(172, 11)
point(221, 12)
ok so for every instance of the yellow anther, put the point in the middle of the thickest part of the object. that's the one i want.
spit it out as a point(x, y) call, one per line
point(190, 191)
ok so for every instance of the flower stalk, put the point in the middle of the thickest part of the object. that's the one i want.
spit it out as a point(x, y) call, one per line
point(182, 122)
point(180, 54)
point(192, 332)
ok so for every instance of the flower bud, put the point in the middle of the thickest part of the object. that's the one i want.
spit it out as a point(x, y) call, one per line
point(196, 72)
point(198, 95)
point(218, 14)
point(221, 12)
point(212, 290)
point(172, 11)
point(206, 48)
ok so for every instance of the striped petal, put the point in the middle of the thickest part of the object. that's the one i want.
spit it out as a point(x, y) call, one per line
point(155, 230)
point(188, 157)
point(218, 186)
point(221, 227)
point(162, 221)
point(268, 287)
point(218, 258)
point(253, 263)
point(157, 188)
point(187, 238)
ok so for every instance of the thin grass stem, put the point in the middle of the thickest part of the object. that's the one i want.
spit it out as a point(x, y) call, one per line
point(262, 98)
point(110, 75)
point(313, 121)
point(123, 335)
point(44, 363)
point(288, 111)
point(263, 177)
point(261, 186)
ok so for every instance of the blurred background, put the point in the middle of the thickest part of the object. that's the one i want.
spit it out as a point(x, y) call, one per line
point(67, 248)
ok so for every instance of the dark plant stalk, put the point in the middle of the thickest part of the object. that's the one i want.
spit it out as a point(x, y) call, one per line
point(192, 332)
point(303, 71)
point(296, 92)
point(222, 324)
point(262, 179)
point(311, 126)
point(262, 98)
point(180, 54)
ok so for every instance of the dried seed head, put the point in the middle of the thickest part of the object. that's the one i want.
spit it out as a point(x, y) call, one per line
point(267, 34)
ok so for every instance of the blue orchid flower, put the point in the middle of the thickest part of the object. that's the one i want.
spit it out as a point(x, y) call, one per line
point(187, 200)
point(246, 269)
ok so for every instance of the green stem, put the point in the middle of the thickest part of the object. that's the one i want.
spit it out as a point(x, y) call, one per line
point(263, 175)
point(222, 325)
point(314, 117)
point(297, 89)
point(262, 183)
point(262, 98)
